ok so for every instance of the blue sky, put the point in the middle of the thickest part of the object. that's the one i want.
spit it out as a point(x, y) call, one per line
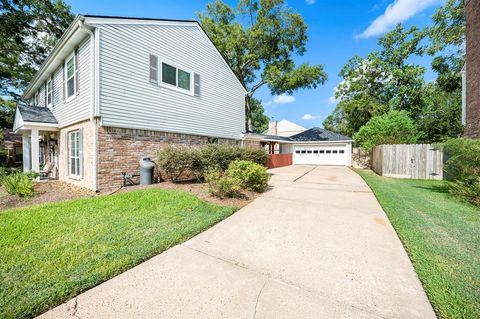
point(337, 31)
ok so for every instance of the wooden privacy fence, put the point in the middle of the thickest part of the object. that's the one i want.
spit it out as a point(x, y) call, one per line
point(416, 161)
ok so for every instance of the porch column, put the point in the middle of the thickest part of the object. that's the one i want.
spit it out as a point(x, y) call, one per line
point(35, 146)
point(26, 152)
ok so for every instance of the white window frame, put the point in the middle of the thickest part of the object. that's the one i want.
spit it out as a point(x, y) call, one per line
point(49, 92)
point(36, 100)
point(74, 157)
point(74, 76)
point(176, 87)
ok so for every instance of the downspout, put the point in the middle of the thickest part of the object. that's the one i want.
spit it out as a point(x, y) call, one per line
point(93, 100)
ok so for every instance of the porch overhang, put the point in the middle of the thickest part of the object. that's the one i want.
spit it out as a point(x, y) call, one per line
point(29, 118)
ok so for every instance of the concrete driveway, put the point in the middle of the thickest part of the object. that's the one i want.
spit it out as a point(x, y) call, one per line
point(317, 245)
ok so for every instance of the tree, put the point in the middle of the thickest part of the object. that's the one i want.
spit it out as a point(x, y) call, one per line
point(336, 122)
point(7, 113)
point(3, 151)
point(447, 44)
point(259, 39)
point(441, 116)
point(259, 119)
point(384, 80)
point(394, 127)
point(28, 30)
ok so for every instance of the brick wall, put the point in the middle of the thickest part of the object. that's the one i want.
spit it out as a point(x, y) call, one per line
point(120, 150)
point(472, 128)
point(86, 178)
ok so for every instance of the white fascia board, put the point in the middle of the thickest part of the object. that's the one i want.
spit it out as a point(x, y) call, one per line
point(119, 20)
point(76, 31)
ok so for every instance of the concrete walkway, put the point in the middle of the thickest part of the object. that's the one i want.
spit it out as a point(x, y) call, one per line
point(317, 245)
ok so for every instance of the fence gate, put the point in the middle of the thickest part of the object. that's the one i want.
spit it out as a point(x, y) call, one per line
point(416, 161)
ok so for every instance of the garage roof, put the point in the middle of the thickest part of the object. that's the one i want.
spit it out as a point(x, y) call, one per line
point(318, 134)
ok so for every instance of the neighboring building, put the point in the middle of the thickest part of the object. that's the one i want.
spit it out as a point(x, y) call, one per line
point(116, 89)
point(472, 77)
point(284, 128)
point(13, 145)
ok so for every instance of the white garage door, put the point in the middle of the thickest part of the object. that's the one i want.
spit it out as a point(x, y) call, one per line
point(321, 154)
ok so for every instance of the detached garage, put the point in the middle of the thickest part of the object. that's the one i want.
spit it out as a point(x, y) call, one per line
point(315, 146)
point(318, 146)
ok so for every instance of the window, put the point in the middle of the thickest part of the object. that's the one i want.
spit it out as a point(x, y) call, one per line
point(169, 74)
point(37, 99)
point(328, 151)
point(18, 153)
point(176, 77)
point(74, 153)
point(322, 152)
point(153, 68)
point(335, 152)
point(309, 152)
point(303, 151)
point(297, 152)
point(49, 93)
point(315, 152)
point(341, 152)
point(70, 77)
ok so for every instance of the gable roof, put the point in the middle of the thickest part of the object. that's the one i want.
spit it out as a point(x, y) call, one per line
point(35, 114)
point(80, 25)
point(318, 134)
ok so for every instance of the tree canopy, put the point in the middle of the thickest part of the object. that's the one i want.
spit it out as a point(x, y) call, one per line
point(259, 40)
point(387, 79)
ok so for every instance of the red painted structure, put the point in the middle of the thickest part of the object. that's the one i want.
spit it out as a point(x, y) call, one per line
point(279, 160)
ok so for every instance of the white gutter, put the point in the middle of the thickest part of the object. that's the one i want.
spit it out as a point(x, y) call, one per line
point(93, 99)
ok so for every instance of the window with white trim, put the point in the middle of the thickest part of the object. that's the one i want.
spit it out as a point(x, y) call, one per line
point(49, 93)
point(37, 99)
point(176, 77)
point(70, 76)
point(74, 153)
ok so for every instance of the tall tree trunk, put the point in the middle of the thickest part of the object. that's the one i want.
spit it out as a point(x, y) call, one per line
point(248, 113)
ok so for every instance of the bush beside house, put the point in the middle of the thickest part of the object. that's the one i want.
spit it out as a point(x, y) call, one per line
point(226, 169)
point(463, 168)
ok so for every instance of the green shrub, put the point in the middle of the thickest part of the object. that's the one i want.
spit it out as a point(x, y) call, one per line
point(221, 185)
point(394, 127)
point(18, 184)
point(251, 176)
point(175, 161)
point(463, 168)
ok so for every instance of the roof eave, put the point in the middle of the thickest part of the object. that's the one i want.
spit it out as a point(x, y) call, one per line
point(71, 30)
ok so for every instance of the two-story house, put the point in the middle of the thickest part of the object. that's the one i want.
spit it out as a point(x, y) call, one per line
point(115, 89)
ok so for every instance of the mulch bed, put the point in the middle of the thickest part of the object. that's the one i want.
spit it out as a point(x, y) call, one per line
point(54, 191)
point(45, 192)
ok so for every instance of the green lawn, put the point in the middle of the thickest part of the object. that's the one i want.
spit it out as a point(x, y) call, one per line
point(442, 237)
point(50, 253)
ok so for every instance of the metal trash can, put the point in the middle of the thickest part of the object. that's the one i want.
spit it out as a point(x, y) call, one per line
point(146, 171)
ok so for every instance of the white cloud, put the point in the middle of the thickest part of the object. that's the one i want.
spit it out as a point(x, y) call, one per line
point(310, 2)
point(395, 13)
point(332, 100)
point(284, 99)
point(309, 117)
point(280, 99)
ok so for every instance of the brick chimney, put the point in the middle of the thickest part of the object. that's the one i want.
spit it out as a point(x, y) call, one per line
point(472, 89)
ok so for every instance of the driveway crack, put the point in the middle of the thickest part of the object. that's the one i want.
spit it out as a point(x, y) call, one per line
point(258, 298)
point(296, 179)
point(75, 308)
